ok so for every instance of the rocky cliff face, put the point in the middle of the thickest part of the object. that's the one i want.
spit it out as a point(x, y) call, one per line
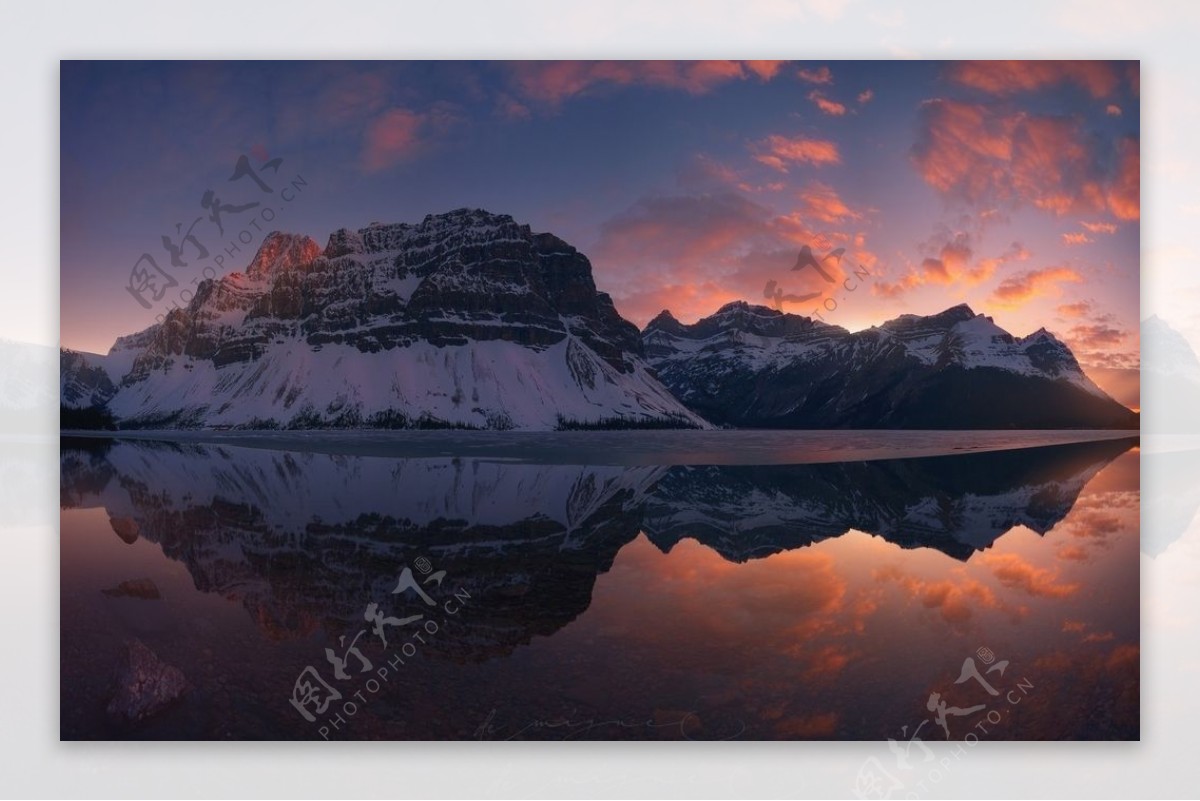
point(753, 366)
point(465, 319)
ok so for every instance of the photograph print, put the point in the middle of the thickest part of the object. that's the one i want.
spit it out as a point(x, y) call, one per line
point(601, 400)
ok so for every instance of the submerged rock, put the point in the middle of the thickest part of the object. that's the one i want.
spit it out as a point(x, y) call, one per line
point(126, 528)
point(144, 685)
point(143, 588)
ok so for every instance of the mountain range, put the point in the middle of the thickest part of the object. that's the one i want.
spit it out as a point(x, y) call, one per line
point(471, 320)
point(751, 366)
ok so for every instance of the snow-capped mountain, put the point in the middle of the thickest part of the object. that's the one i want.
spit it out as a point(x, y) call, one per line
point(754, 366)
point(465, 319)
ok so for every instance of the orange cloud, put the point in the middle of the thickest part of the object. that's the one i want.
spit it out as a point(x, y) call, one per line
point(827, 106)
point(1098, 78)
point(1100, 227)
point(1124, 194)
point(1076, 238)
point(780, 152)
point(1094, 337)
point(822, 76)
point(1080, 309)
point(955, 600)
point(692, 253)
point(821, 202)
point(866, 96)
point(950, 263)
point(552, 82)
point(985, 155)
point(1074, 553)
point(765, 70)
point(1023, 287)
point(1015, 573)
point(1112, 110)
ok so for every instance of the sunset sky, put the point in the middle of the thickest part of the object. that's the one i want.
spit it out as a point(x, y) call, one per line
point(1011, 186)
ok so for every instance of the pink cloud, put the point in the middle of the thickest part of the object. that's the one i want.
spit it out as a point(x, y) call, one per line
point(510, 108)
point(1016, 573)
point(765, 70)
point(821, 202)
point(821, 75)
point(1124, 193)
point(1019, 289)
point(826, 106)
point(693, 253)
point(1080, 309)
point(1098, 78)
point(780, 152)
point(1100, 227)
point(982, 154)
point(1076, 238)
point(866, 96)
point(399, 134)
point(950, 260)
point(552, 82)
point(1094, 337)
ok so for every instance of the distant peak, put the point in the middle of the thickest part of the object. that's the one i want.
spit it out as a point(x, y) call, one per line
point(742, 306)
point(468, 216)
point(666, 322)
point(961, 311)
point(948, 317)
point(280, 252)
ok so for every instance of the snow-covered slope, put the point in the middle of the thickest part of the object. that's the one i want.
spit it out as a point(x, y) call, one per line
point(465, 319)
point(750, 365)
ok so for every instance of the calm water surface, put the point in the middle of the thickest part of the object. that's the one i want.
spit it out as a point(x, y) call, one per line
point(624, 598)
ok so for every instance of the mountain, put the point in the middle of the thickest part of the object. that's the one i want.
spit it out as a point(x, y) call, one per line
point(466, 319)
point(751, 366)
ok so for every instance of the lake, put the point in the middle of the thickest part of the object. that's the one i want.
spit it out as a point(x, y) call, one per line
point(605, 585)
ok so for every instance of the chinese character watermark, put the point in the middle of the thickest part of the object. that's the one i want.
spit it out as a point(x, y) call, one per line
point(151, 279)
point(824, 266)
point(874, 780)
point(313, 695)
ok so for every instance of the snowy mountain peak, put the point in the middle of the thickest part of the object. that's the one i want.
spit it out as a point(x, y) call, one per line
point(752, 366)
point(941, 321)
point(464, 319)
point(281, 252)
point(666, 322)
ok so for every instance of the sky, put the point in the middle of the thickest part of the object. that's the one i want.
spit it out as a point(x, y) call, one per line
point(1010, 186)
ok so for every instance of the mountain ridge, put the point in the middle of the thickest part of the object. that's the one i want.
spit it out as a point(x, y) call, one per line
point(748, 365)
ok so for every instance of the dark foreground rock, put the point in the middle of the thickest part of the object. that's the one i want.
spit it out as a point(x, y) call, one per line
point(144, 685)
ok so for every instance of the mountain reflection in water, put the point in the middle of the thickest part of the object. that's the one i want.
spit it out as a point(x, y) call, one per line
point(766, 602)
